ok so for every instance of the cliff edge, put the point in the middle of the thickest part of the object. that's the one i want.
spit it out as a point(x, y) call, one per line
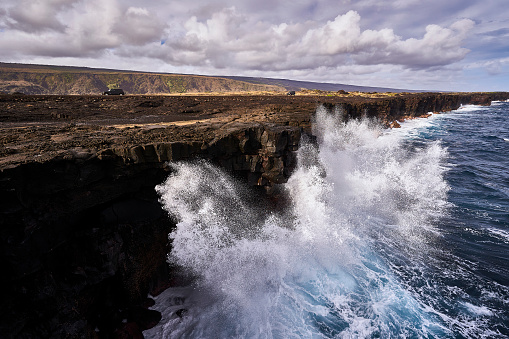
point(84, 239)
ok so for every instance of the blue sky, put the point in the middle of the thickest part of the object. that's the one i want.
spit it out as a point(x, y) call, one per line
point(454, 45)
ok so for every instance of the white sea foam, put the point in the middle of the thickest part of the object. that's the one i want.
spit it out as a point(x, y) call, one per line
point(503, 234)
point(470, 108)
point(478, 310)
point(318, 273)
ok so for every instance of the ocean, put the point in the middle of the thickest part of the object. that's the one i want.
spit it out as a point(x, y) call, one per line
point(388, 233)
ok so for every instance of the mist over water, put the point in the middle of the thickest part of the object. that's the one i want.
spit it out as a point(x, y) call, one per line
point(360, 252)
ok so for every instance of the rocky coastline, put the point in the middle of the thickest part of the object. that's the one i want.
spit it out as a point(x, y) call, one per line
point(83, 237)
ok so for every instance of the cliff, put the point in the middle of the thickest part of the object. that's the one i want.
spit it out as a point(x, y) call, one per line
point(45, 79)
point(33, 79)
point(83, 236)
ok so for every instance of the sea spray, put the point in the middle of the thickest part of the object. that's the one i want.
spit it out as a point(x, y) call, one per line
point(362, 204)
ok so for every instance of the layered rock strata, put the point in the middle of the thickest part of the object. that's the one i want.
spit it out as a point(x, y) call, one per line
point(84, 236)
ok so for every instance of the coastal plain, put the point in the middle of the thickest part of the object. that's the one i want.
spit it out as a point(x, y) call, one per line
point(40, 127)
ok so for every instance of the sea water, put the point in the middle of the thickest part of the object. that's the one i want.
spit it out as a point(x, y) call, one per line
point(389, 233)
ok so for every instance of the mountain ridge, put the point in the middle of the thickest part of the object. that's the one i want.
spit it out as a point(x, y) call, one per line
point(61, 80)
point(51, 79)
point(296, 85)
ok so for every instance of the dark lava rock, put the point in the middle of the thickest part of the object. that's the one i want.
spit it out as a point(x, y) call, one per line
point(83, 237)
point(129, 330)
point(181, 312)
point(143, 317)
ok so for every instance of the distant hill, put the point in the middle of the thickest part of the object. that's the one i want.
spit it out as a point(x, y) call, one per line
point(294, 85)
point(40, 79)
point(45, 79)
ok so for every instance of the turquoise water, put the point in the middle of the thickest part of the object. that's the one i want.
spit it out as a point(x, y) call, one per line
point(390, 233)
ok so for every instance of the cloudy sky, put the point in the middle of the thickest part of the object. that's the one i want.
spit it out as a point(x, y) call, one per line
point(458, 45)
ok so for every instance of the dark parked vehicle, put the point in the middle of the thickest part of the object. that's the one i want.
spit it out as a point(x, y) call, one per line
point(291, 93)
point(114, 91)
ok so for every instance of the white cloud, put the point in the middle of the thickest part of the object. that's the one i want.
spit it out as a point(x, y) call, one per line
point(335, 37)
point(62, 28)
point(137, 11)
point(229, 39)
point(39, 15)
point(137, 26)
point(305, 39)
point(91, 27)
point(439, 46)
point(492, 67)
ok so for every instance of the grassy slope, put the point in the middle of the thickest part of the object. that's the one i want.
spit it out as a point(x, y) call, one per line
point(45, 79)
point(38, 79)
point(293, 85)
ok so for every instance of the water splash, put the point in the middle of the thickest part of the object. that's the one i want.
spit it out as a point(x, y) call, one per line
point(363, 206)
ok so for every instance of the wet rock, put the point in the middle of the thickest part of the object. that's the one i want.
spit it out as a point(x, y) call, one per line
point(129, 330)
point(145, 318)
point(181, 312)
point(148, 302)
point(395, 124)
point(83, 236)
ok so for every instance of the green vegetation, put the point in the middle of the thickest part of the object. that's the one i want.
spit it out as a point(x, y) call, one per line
point(68, 77)
point(176, 84)
point(110, 80)
point(39, 79)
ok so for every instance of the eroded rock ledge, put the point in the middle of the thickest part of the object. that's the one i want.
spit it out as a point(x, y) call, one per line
point(262, 153)
point(83, 236)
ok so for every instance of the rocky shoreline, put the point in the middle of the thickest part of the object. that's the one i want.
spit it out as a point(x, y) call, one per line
point(84, 239)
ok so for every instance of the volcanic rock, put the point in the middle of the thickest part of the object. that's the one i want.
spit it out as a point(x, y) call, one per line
point(84, 238)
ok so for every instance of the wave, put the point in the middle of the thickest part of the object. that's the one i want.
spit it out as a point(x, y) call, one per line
point(502, 234)
point(354, 255)
point(471, 108)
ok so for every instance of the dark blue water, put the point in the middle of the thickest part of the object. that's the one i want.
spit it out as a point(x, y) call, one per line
point(474, 273)
point(391, 233)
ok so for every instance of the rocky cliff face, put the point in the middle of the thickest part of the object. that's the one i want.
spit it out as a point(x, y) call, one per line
point(30, 79)
point(394, 108)
point(260, 153)
point(83, 236)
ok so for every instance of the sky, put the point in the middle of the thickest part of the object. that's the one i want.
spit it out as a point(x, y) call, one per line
point(449, 45)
